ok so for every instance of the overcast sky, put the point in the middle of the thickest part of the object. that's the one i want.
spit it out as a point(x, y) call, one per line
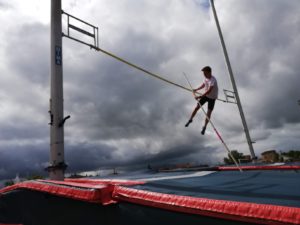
point(120, 116)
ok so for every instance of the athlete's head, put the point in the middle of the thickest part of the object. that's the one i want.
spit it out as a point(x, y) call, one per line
point(206, 71)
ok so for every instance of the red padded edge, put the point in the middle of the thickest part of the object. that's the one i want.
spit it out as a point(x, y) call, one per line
point(240, 211)
point(106, 181)
point(283, 167)
point(75, 184)
point(91, 190)
point(99, 193)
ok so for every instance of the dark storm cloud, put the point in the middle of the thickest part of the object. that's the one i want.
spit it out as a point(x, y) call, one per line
point(181, 153)
point(21, 131)
point(263, 45)
point(126, 102)
point(24, 129)
point(85, 156)
point(279, 106)
point(4, 5)
point(23, 159)
point(203, 3)
point(30, 53)
point(113, 101)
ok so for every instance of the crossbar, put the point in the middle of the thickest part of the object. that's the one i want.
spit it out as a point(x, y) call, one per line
point(94, 34)
point(81, 30)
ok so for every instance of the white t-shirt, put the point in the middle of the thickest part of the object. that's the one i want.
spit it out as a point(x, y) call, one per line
point(212, 82)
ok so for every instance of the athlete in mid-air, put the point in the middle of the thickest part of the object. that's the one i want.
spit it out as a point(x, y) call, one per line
point(210, 95)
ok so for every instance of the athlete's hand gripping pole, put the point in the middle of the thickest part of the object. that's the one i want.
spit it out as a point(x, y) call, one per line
point(209, 120)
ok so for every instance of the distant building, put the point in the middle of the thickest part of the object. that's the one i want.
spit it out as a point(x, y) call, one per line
point(245, 159)
point(17, 179)
point(286, 158)
point(183, 165)
point(270, 156)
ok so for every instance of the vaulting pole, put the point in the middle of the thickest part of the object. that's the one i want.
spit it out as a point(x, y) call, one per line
point(57, 165)
point(233, 82)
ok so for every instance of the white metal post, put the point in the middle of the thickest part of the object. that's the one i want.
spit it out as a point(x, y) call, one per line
point(233, 82)
point(57, 165)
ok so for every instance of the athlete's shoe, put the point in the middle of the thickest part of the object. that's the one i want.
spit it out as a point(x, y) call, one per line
point(188, 123)
point(203, 130)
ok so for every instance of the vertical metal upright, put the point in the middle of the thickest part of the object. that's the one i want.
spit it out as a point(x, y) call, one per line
point(57, 165)
point(233, 82)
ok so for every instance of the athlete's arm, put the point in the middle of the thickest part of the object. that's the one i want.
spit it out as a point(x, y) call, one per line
point(199, 88)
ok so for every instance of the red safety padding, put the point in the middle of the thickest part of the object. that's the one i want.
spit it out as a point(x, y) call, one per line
point(97, 193)
point(106, 181)
point(75, 184)
point(239, 211)
point(283, 167)
point(91, 190)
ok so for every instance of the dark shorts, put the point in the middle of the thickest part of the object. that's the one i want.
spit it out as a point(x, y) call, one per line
point(211, 102)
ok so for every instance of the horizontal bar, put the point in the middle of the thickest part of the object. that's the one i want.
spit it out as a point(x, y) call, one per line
point(81, 30)
point(82, 42)
point(228, 91)
point(63, 12)
point(228, 96)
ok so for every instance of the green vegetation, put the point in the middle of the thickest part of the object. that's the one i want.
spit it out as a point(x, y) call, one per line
point(75, 175)
point(270, 156)
point(9, 183)
point(293, 154)
point(237, 155)
point(34, 177)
